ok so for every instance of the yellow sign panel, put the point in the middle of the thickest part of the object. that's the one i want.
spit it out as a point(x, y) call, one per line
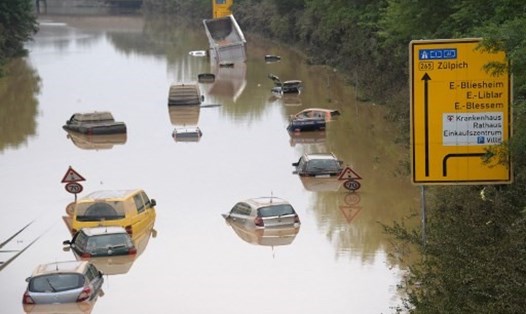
point(458, 111)
point(221, 8)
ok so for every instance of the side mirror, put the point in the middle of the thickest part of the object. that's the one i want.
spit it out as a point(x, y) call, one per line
point(153, 202)
point(27, 279)
point(67, 242)
point(101, 274)
point(295, 164)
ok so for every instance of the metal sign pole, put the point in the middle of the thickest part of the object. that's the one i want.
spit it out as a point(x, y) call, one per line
point(424, 214)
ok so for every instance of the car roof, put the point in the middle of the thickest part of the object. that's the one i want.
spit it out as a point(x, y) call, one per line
point(317, 109)
point(258, 202)
point(108, 194)
point(320, 156)
point(61, 267)
point(103, 230)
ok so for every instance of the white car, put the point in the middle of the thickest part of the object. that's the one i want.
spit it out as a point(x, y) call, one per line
point(264, 212)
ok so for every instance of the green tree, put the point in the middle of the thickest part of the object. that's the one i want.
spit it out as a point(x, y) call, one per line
point(17, 25)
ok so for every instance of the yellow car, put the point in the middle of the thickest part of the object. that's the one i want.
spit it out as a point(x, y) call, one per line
point(130, 209)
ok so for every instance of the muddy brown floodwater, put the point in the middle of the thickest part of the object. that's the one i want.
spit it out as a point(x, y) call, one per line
point(82, 61)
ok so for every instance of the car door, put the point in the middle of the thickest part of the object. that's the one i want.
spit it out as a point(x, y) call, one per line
point(240, 212)
point(95, 279)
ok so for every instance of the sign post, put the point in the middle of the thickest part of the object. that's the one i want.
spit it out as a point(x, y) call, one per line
point(71, 178)
point(458, 111)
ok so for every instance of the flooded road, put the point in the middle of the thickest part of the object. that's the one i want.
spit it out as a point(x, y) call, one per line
point(195, 262)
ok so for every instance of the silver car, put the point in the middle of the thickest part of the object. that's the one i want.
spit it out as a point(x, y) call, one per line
point(63, 282)
point(264, 212)
point(318, 165)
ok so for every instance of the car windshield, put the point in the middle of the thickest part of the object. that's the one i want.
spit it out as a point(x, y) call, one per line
point(102, 243)
point(323, 164)
point(56, 282)
point(275, 210)
point(100, 211)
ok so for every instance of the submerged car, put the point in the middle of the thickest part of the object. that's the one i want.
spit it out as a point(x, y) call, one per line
point(298, 125)
point(318, 164)
point(131, 209)
point(327, 114)
point(63, 282)
point(187, 134)
point(94, 123)
point(185, 94)
point(102, 241)
point(285, 87)
point(264, 212)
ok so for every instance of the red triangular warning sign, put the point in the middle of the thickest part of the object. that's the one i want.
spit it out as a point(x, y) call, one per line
point(72, 176)
point(348, 173)
point(350, 212)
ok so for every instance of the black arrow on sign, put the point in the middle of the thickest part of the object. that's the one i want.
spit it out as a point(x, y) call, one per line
point(426, 78)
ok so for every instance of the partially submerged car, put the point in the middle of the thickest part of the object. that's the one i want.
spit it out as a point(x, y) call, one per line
point(263, 212)
point(306, 124)
point(272, 58)
point(285, 87)
point(101, 241)
point(131, 209)
point(206, 77)
point(327, 114)
point(184, 94)
point(97, 122)
point(119, 264)
point(318, 164)
point(63, 282)
point(187, 134)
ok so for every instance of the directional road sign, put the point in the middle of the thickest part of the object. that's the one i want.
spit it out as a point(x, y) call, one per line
point(458, 111)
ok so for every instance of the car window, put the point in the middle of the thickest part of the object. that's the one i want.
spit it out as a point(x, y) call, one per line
point(275, 210)
point(56, 282)
point(91, 273)
point(241, 209)
point(108, 241)
point(100, 211)
point(301, 163)
point(323, 164)
point(139, 203)
point(81, 240)
point(146, 199)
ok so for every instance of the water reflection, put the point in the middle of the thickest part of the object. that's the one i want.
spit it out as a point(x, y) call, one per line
point(85, 307)
point(19, 89)
point(292, 100)
point(275, 236)
point(96, 142)
point(314, 137)
point(229, 83)
point(318, 184)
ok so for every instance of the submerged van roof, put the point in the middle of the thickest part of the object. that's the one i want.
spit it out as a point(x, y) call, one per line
point(109, 194)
